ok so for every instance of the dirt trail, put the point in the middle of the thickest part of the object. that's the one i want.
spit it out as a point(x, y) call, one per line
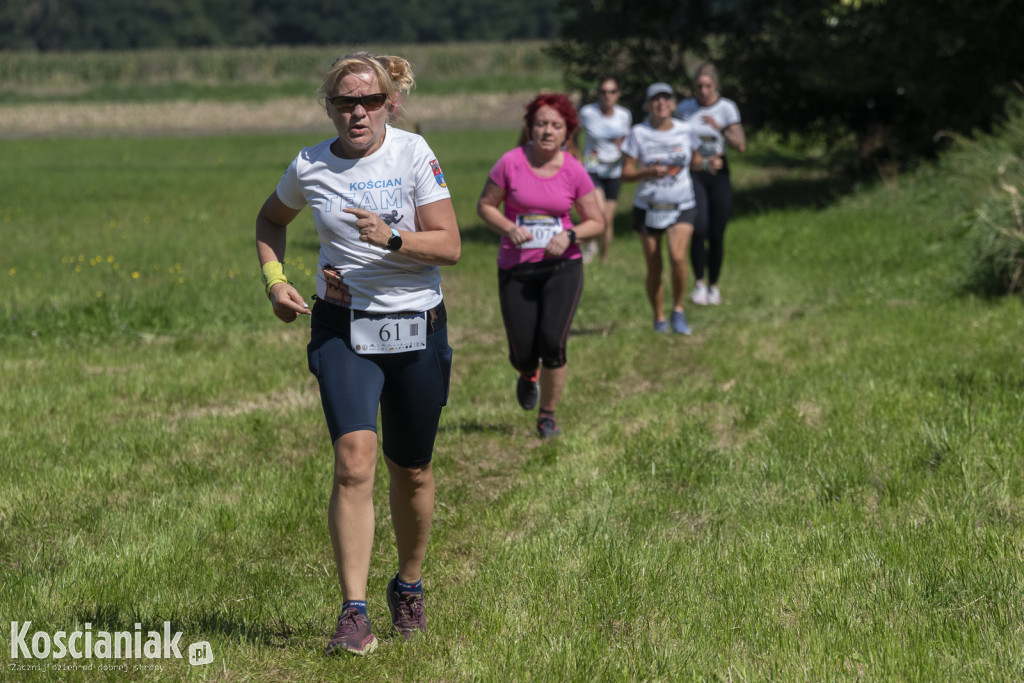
point(431, 112)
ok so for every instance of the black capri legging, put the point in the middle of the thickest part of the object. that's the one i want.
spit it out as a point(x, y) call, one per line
point(538, 302)
point(714, 204)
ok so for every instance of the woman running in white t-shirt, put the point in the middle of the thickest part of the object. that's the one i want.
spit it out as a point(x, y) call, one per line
point(659, 153)
point(716, 120)
point(378, 338)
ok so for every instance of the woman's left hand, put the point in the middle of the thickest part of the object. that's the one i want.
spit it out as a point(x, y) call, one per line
point(557, 246)
point(372, 229)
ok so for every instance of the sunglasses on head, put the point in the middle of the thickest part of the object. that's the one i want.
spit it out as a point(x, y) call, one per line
point(347, 104)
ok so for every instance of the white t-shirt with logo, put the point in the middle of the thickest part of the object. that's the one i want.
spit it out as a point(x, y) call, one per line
point(601, 154)
point(725, 113)
point(391, 182)
point(674, 148)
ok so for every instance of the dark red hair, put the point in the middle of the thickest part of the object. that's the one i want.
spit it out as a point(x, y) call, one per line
point(561, 104)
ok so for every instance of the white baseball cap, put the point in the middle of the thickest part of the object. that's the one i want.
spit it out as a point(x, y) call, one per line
point(659, 89)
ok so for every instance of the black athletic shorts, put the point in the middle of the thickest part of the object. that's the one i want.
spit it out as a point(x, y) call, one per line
point(610, 186)
point(640, 220)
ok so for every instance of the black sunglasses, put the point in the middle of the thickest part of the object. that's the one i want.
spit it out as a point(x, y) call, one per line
point(347, 104)
point(608, 92)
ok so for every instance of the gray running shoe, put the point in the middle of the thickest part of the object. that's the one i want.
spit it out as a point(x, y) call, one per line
point(547, 428)
point(354, 634)
point(407, 615)
point(679, 325)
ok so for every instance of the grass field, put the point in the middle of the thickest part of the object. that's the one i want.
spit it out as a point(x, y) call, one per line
point(171, 93)
point(256, 74)
point(823, 482)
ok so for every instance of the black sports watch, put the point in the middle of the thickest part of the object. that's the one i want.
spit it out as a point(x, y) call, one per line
point(572, 236)
point(395, 243)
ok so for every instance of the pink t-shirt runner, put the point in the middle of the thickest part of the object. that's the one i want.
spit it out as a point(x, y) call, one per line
point(531, 200)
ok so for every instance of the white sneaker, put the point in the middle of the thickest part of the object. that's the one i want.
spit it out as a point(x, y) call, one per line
point(714, 296)
point(589, 252)
point(700, 294)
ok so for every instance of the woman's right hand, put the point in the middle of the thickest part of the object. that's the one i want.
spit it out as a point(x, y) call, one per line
point(658, 170)
point(519, 235)
point(288, 304)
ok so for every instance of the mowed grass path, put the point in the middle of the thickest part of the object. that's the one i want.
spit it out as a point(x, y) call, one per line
point(823, 482)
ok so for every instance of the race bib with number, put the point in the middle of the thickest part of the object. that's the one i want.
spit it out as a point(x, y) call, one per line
point(710, 146)
point(542, 227)
point(661, 216)
point(388, 332)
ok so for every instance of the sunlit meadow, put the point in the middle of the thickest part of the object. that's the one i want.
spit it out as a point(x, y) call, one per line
point(823, 482)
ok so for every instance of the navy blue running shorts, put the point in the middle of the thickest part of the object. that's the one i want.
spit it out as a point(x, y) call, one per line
point(410, 388)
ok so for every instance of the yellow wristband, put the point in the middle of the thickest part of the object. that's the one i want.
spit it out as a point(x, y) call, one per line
point(273, 273)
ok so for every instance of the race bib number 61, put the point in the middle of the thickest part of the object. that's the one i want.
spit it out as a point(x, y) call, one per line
point(388, 332)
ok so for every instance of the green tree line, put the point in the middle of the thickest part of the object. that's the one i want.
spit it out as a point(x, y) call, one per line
point(898, 75)
point(72, 25)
